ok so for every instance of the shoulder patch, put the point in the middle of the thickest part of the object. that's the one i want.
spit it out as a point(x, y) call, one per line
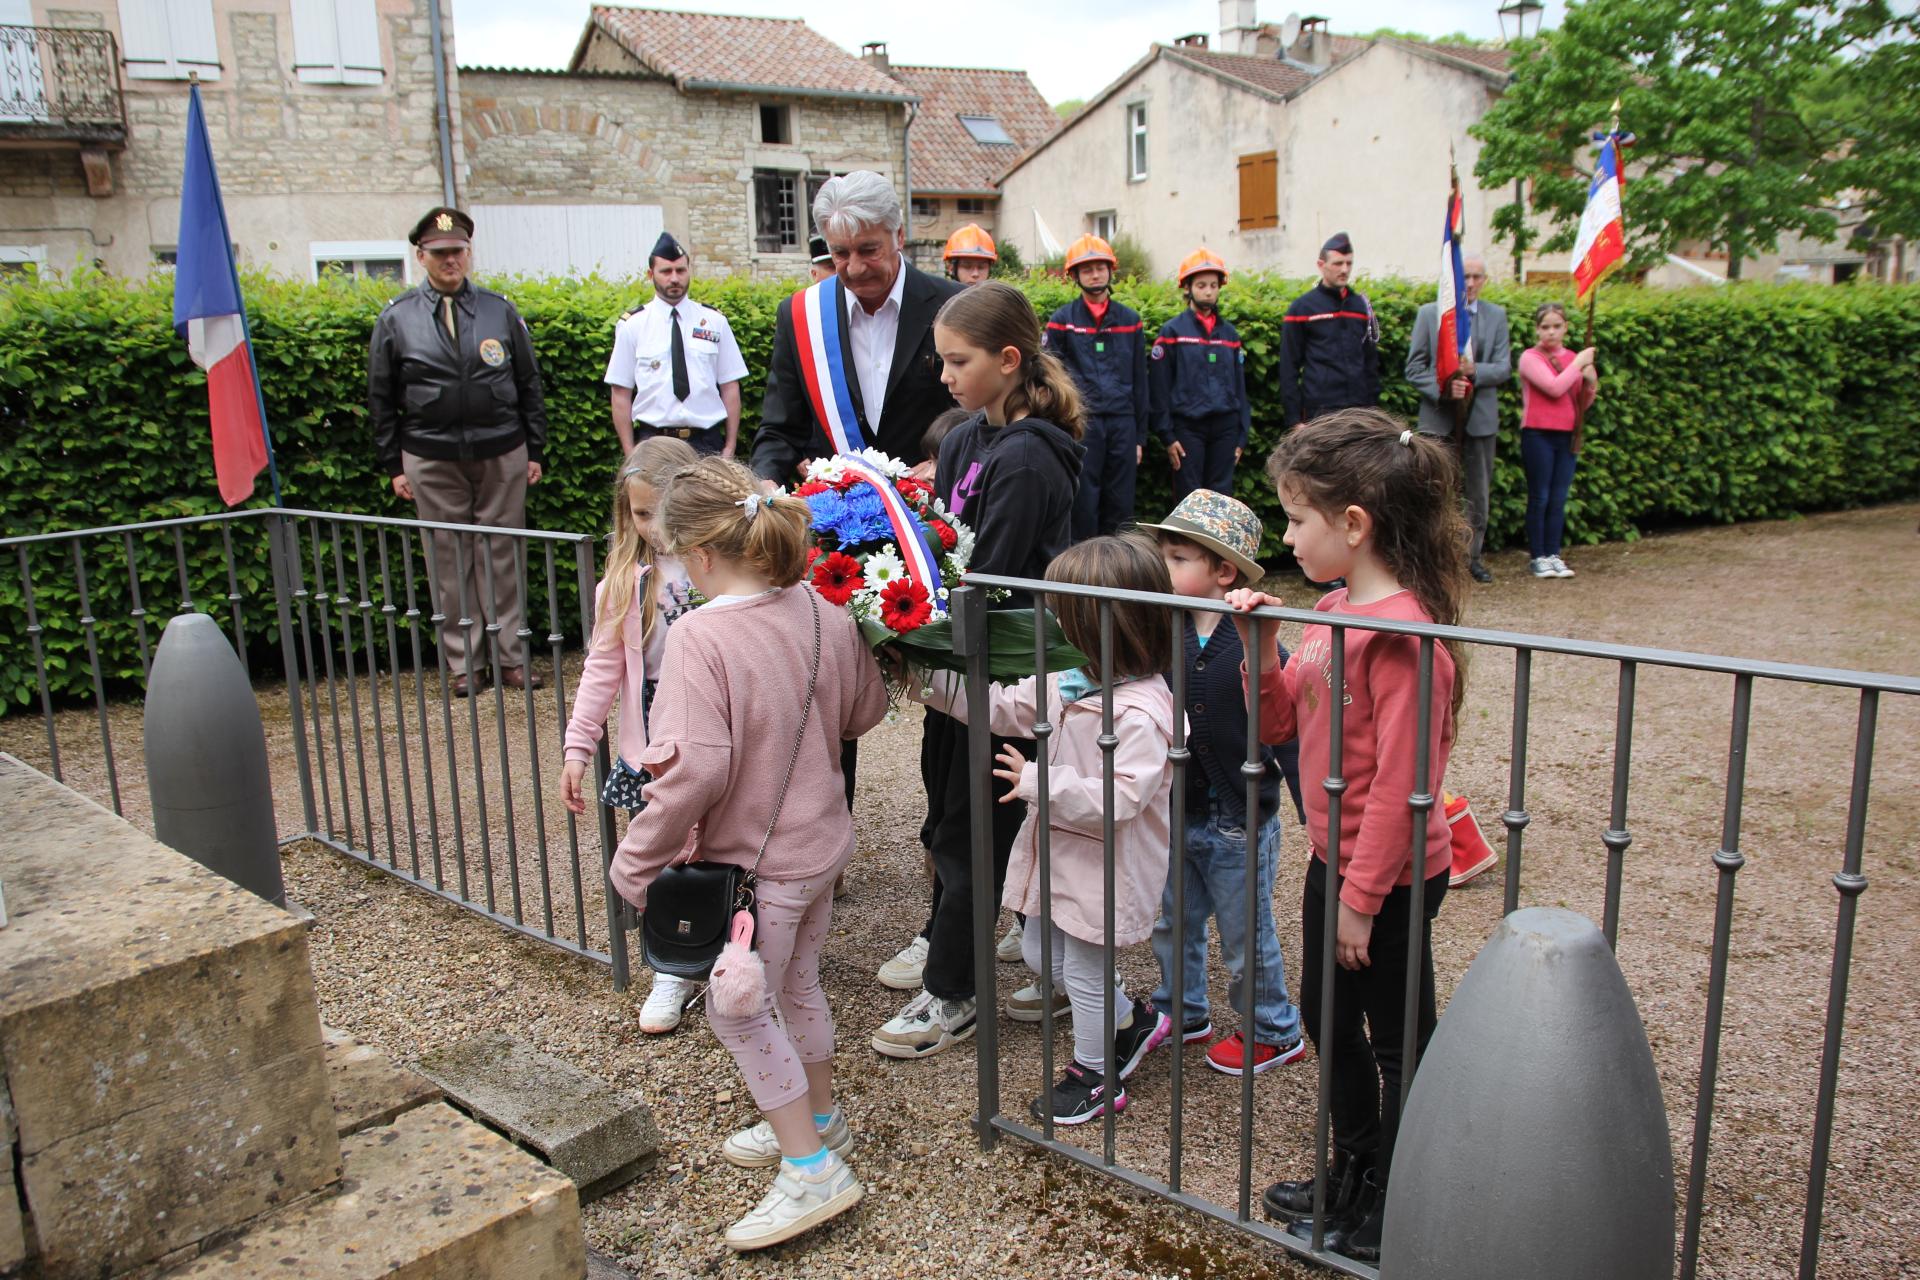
point(628, 315)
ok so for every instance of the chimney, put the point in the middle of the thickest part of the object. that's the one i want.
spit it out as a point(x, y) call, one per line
point(1239, 26)
point(1313, 47)
point(874, 54)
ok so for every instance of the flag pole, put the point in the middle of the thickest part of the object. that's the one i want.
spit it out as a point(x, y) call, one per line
point(1613, 140)
point(1462, 405)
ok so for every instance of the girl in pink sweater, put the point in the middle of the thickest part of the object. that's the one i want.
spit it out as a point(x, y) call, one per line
point(1372, 502)
point(643, 591)
point(1556, 388)
point(733, 696)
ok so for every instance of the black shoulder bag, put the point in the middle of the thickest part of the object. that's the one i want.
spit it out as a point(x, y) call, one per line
point(690, 905)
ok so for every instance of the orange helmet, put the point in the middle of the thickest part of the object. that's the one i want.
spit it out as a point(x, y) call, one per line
point(1202, 260)
point(1090, 249)
point(970, 242)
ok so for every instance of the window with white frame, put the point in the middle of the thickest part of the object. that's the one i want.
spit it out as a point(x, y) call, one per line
point(364, 259)
point(1105, 224)
point(169, 39)
point(336, 42)
point(22, 259)
point(1137, 142)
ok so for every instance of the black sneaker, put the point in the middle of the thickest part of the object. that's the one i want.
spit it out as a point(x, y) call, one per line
point(1199, 1029)
point(1078, 1098)
point(1147, 1032)
point(1480, 572)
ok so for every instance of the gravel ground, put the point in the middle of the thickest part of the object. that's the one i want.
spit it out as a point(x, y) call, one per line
point(410, 972)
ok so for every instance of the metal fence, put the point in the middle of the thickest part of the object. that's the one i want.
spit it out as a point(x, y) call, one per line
point(970, 641)
point(374, 755)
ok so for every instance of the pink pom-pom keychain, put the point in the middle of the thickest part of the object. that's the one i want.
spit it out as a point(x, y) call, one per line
point(738, 985)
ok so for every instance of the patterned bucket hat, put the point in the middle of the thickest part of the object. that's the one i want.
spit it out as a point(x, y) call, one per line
point(1225, 526)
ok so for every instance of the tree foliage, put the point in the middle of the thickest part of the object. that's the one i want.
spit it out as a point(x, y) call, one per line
point(1738, 137)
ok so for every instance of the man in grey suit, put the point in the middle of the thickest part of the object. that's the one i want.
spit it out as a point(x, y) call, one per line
point(1483, 368)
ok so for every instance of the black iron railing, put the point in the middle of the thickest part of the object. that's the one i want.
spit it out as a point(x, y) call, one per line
point(61, 83)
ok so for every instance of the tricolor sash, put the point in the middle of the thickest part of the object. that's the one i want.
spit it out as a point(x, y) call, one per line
point(818, 316)
point(923, 566)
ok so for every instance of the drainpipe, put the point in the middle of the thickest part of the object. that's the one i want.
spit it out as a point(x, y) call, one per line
point(442, 112)
point(906, 169)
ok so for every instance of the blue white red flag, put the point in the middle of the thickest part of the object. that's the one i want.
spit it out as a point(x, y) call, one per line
point(208, 313)
point(1455, 329)
point(923, 566)
point(1602, 241)
point(818, 314)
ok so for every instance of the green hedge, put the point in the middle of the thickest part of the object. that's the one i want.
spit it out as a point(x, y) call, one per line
point(1715, 405)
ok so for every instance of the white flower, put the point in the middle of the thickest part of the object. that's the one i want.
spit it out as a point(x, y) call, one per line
point(826, 470)
point(962, 554)
point(887, 463)
point(883, 566)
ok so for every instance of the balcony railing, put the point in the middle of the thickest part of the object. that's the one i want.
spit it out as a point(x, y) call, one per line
point(60, 84)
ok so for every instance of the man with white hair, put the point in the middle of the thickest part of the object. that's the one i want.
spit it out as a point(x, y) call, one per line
point(884, 331)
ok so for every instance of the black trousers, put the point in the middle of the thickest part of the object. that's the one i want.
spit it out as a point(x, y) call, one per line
point(1108, 470)
point(1369, 1014)
point(950, 957)
point(1209, 443)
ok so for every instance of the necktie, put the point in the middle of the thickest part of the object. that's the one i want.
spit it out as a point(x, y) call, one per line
point(452, 332)
point(681, 386)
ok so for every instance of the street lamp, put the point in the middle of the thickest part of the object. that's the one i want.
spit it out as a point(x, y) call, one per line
point(1520, 19)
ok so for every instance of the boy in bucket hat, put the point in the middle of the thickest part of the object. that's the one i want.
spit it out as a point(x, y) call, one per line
point(1209, 543)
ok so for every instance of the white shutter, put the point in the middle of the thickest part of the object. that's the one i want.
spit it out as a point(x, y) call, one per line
point(195, 48)
point(316, 44)
point(359, 29)
point(336, 42)
point(167, 39)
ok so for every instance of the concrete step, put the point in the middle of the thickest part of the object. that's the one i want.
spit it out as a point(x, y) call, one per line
point(582, 1126)
point(431, 1196)
point(369, 1088)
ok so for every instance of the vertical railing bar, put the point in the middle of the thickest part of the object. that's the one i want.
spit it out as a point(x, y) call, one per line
point(1420, 804)
point(420, 710)
point(1043, 846)
point(556, 639)
point(34, 631)
point(1617, 837)
point(1336, 786)
point(1516, 816)
point(373, 694)
point(970, 635)
point(602, 765)
point(180, 563)
point(1728, 860)
point(388, 611)
point(1108, 741)
point(302, 597)
point(484, 554)
point(1179, 753)
point(233, 597)
point(284, 564)
point(136, 612)
point(343, 604)
point(462, 570)
point(525, 637)
point(322, 598)
point(87, 621)
point(1851, 884)
point(1253, 769)
point(430, 556)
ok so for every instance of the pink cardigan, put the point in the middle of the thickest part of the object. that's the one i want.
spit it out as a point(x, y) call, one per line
point(620, 669)
point(1548, 399)
point(1142, 790)
point(724, 720)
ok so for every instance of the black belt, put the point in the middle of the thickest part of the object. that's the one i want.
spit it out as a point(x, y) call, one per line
point(678, 433)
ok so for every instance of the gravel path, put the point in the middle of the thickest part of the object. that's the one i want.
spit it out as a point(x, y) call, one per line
point(409, 972)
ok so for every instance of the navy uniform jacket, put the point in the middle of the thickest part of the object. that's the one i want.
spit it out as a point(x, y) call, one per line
point(1198, 375)
point(1107, 360)
point(1329, 353)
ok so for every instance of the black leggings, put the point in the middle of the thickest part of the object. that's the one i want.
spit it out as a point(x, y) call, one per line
point(949, 969)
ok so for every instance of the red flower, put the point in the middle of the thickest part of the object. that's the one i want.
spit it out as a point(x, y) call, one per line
point(904, 605)
point(810, 488)
point(944, 531)
point(909, 486)
point(837, 576)
point(813, 553)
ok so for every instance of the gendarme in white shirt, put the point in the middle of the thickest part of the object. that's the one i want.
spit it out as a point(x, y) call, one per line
point(643, 359)
point(872, 338)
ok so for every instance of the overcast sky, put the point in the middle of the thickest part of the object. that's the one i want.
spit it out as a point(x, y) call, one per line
point(1070, 48)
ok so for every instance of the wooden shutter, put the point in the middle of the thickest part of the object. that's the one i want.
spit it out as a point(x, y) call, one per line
point(1259, 190)
point(359, 30)
point(336, 42)
point(190, 23)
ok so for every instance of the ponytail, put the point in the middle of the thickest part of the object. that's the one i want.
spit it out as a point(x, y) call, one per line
point(1047, 391)
point(716, 503)
point(994, 316)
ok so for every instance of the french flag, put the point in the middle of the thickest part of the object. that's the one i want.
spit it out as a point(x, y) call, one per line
point(208, 313)
point(1455, 329)
point(1601, 243)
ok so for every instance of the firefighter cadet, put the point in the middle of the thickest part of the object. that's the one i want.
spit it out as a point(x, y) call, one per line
point(970, 254)
point(1329, 343)
point(1103, 345)
point(675, 369)
point(1198, 374)
point(460, 425)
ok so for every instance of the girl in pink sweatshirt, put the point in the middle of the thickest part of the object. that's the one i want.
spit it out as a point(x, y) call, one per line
point(643, 591)
point(1372, 502)
point(722, 755)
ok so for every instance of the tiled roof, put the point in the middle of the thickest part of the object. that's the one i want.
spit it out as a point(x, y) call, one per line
point(946, 158)
point(1269, 74)
point(702, 49)
point(1491, 58)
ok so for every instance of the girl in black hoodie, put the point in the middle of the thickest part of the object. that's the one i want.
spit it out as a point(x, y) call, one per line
point(1010, 473)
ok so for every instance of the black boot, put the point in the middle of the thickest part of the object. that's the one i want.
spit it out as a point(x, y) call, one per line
point(1288, 1201)
point(1356, 1232)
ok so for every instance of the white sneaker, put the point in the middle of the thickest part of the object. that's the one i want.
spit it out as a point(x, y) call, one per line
point(1560, 569)
point(1008, 950)
point(1541, 567)
point(756, 1148)
point(1024, 1004)
point(661, 1012)
point(926, 1026)
point(902, 973)
point(799, 1201)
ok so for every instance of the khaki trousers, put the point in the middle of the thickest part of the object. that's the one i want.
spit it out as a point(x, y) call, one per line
point(488, 491)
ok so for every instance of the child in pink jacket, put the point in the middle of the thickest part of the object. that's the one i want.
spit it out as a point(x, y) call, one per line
point(1142, 788)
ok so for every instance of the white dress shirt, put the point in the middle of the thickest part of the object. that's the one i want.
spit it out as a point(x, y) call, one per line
point(873, 338)
point(643, 359)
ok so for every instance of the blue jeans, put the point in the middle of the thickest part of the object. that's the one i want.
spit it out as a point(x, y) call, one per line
point(1216, 884)
point(1548, 459)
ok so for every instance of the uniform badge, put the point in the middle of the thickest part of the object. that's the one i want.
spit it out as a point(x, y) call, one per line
point(653, 365)
point(1159, 351)
point(445, 223)
point(492, 352)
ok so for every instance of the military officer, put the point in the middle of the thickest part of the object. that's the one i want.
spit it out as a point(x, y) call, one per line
point(676, 369)
point(460, 424)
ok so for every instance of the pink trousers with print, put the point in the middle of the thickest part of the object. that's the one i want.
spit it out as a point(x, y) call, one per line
point(790, 932)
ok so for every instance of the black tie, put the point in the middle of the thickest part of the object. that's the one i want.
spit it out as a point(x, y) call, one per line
point(682, 388)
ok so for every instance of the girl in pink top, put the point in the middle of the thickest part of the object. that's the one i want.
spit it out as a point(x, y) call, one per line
point(1556, 386)
point(643, 591)
point(733, 696)
point(1372, 502)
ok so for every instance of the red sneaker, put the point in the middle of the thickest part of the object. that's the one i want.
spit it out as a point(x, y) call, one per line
point(1228, 1055)
point(1472, 854)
